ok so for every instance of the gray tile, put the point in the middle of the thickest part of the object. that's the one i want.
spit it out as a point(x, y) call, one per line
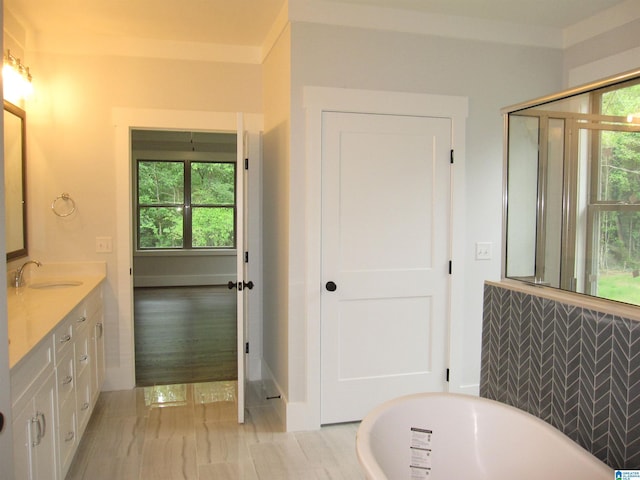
point(576, 368)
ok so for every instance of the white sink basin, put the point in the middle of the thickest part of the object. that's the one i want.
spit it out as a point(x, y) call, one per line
point(50, 284)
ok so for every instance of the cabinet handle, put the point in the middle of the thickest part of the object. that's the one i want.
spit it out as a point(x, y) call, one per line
point(69, 437)
point(67, 380)
point(44, 424)
point(41, 426)
point(85, 406)
point(82, 319)
point(65, 338)
point(84, 358)
point(36, 420)
point(101, 328)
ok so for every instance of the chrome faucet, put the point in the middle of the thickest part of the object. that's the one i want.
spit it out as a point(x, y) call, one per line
point(20, 271)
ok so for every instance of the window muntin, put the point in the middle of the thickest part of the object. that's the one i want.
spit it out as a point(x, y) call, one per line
point(185, 204)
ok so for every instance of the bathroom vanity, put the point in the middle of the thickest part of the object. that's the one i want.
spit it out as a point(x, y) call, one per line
point(56, 355)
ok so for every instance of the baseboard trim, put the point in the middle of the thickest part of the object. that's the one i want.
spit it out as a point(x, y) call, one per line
point(118, 379)
point(471, 389)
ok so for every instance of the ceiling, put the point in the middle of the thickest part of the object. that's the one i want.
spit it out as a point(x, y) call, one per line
point(247, 22)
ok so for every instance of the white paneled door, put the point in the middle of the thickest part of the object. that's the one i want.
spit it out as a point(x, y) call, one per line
point(241, 266)
point(386, 212)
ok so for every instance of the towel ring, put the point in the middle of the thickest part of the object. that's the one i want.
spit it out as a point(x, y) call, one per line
point(67, 199)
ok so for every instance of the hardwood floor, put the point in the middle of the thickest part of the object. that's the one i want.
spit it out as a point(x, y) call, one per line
point(185, 334)
point(190, 432)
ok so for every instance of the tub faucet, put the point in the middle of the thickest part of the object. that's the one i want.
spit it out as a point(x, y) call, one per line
point(20, 271)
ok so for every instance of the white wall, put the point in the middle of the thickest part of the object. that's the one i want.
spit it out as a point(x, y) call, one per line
point(604, 45)
point(183, 269)
point(278, 285)
point(490, 74)
point(72, 145)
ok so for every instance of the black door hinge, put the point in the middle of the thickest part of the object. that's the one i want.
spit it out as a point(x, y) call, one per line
point(450, 267)
point(246, 257)
point(447, 374)
point(246, 164)
point(246, 347)
point(451, 158)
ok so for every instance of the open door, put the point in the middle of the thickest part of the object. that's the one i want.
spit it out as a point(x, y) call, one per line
point(241, 278)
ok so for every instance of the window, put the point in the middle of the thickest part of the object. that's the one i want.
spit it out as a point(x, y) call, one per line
point(573, 192)
point(185, 204)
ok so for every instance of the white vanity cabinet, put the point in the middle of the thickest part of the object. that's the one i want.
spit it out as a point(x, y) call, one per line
point(77, 374)
point(54, 389)
point(34, 416)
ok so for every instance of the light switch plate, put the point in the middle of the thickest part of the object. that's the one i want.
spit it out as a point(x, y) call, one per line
point(104, 245)
point(484, 251)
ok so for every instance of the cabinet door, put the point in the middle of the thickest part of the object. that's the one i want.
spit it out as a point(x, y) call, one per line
point(22, 441)
point(44, 454)
point(98, 363)
point(34, 435)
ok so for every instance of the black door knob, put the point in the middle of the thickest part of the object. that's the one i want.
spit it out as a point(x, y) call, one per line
point(331, 286)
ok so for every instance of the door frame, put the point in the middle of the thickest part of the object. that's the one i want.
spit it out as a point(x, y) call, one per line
point(316, 100)
point(122, 376)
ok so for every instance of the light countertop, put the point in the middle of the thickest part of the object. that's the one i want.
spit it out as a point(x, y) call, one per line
point(34, 313)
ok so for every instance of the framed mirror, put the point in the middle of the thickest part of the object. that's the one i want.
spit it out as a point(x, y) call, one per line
point(15, 157)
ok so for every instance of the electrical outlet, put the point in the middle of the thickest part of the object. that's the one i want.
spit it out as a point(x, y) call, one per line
point(484, 250)
point(103, 245)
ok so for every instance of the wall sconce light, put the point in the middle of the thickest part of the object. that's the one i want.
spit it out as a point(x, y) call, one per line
point(17, 80)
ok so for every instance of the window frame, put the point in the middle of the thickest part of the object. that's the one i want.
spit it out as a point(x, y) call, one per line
point(186, 206)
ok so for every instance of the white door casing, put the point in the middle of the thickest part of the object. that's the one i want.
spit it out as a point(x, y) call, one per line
point(121, 375)
point(306, 413)
point(385, 247)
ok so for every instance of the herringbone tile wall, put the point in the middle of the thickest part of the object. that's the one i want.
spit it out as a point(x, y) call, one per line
point(575, 368)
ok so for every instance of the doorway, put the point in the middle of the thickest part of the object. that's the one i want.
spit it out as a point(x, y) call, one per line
point(184, 224)
point(386, 188)
point(317, 102)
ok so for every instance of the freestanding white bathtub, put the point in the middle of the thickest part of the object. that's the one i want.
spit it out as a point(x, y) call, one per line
point(440, 436)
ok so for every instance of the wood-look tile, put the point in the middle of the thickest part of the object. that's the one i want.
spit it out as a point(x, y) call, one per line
point(123, 403)
point(102, 467)
point(216, 412)
point(263, 425)
point(221, 442)
point(228, 471)
point(282, 460)
point(331, 451)
point(171, 458)
point(121, 436)
point(204, 441)
point(168, 422)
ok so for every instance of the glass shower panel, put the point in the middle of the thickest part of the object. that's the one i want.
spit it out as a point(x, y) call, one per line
point(553, 202)
point(524, 132)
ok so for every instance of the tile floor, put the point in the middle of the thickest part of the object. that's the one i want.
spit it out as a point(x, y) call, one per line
point(190, 431)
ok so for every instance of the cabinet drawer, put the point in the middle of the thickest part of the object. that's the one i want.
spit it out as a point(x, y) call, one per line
point(62, 338)
point(83, 354)
point(79, 320)
point(65, 376)
point(67, 433)
point(23, 375)
point(84, 400)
